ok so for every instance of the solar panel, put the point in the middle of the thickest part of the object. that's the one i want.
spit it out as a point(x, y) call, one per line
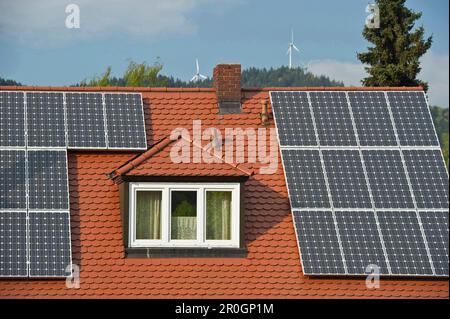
point(50, 250)
point(85, 120)
point(404, 243)
point(12, 119)
point(387, 179)
point(13, 244)
point(435, 226)
point(346, 179)
point(376, 169)
point(125, 121)
point(428, 176)
point(12, 179)
point(361, 242)
point(45, 118)
point(320, 250)
point(333, 120)
point(306, 182)
point(412, 119)
point(48, 180)
point(293, 113)
point(372, 119)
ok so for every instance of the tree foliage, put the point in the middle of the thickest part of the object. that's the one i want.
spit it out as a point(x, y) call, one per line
point(7, 82)
point(440, 118)
point(398, 46)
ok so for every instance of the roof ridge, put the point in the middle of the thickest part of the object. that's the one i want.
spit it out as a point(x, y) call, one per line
point(171, 89)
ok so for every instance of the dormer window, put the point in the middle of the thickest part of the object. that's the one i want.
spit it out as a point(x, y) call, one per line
point(184, 215)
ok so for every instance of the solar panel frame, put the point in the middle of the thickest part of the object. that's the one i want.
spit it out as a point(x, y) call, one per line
point(73, 125)
point(438, 247)
point(372, 119)
point(13, 174)
point(317, 197)
point(386, 182)
point(373, 248)
point(61, 186)
point(346, 179)
point(21, 249)
point(325, 217)
point(326, 111)
point(109, 116)
point(427, 184)
point(16, 123)
point(407, 129)
point(35, 226)
point(397, 242)
point(308, 135)
point(43, 123)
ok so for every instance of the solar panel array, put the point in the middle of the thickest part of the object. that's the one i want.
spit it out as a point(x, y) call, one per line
point(366, 180)
point(36, 129)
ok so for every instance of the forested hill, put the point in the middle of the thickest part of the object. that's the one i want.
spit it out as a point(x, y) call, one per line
point(255, 77)
point(252, 77)
point(9, 82)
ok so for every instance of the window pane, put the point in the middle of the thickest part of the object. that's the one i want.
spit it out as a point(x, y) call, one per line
point(218, 215)
point(184, 215)
point(148, 214)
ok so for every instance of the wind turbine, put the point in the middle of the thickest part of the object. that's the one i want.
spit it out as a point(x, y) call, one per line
point(291, 47)
point(198, 77)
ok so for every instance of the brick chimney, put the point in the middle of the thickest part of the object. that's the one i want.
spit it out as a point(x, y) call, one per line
point(227, 83)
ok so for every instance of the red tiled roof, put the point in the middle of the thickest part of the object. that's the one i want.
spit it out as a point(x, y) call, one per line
point(272, 268)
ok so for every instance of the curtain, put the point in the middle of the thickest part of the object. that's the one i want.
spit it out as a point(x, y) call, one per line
point(184, 228)
point(218, 215)
point(148, 214)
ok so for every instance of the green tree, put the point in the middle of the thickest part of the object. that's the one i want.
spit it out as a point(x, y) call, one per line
point(444, 145)
point(103, 80)
point(141, 74)
point(398, 46)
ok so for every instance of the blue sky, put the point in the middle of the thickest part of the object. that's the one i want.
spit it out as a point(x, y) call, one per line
point(37, 49)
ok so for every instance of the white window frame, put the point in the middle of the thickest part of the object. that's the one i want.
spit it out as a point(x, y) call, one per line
point(201, 188)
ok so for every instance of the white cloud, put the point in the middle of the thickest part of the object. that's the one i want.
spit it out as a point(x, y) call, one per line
point(435, 70)
point(349, 73)
point(43, 22)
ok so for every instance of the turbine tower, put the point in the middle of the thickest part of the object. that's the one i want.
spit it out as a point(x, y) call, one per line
point(198, 77)
point(291, 48)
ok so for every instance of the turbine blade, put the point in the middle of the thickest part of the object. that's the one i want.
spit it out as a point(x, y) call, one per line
point(198, 67)
point(296, 49)
point(203, 77)
point(289, 50)
point(194, 78)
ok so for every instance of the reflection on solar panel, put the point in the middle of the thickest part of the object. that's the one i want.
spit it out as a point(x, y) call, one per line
point(45, 118)
point(306, 179)
point(50, 251)
point(48, 180)
point(333, 120)
point(412, 119)
point(372, 120)
point(12, 119)
point(404, 243)
point(294, 112)
point(125, 121)
point(36, 128)
point(435, 226)
point(387, 179)
point(374, 191)
point(13, 244)
point(429, 178)
point(12, 179)
point(346, 179)
point(85, 120)
point(320, 251)
point(361, 242)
